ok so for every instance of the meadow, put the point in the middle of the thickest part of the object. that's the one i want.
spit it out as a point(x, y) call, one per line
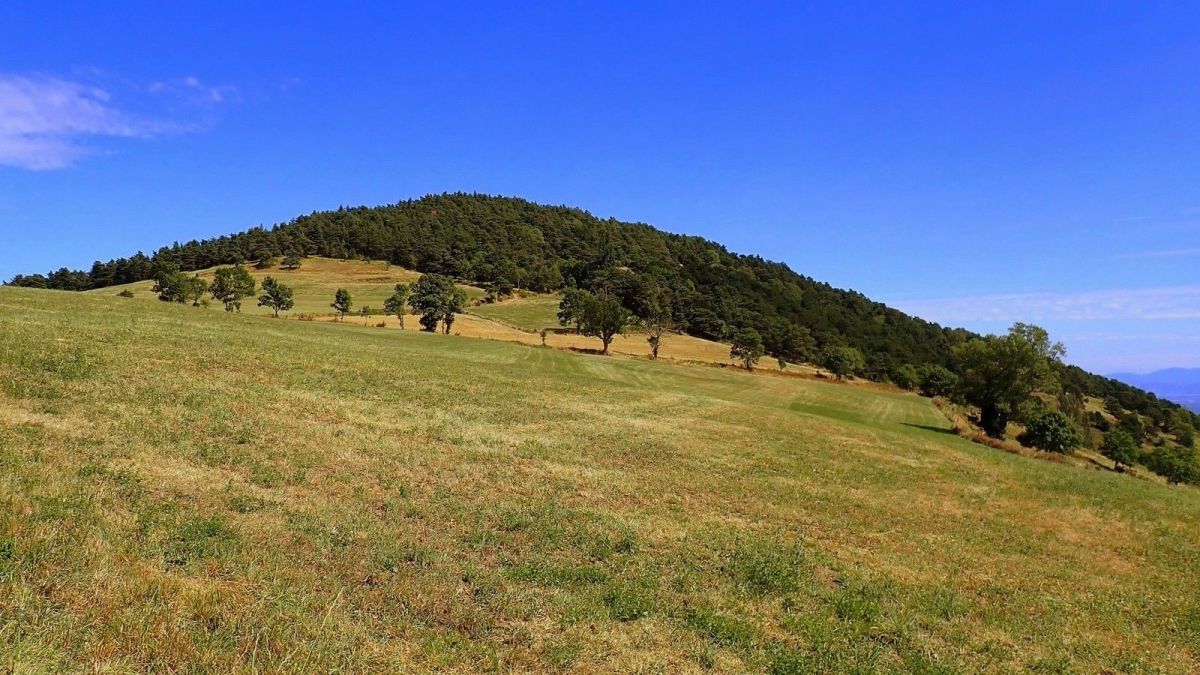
point(517, 319)
point(370, 283)
point(183, 489)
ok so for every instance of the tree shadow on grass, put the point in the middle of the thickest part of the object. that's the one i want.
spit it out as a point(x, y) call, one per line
point(926, 427)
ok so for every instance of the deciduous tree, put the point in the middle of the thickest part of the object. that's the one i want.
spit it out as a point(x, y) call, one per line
point(1120, 448)
point(936, 380)
point(655, 317)
point(1051, 431)
point(231, 285)
point(570, 308)
point(397, 303)
point(906, 377)
point(999, 373)
point(437, 300)
point(842, 361)
point(275, 296)
point(342, 303)
point(604, 317)
point(746, 347)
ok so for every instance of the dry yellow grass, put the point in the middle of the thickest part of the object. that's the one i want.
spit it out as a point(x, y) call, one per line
point(369, 283)
point(188, 490)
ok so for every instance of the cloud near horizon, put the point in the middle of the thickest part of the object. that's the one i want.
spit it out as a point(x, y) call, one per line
point(47, 123)
point(1146, 304)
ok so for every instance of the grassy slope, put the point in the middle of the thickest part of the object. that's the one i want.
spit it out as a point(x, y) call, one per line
point(369, 283)
point(190, 489)
point(533, 312)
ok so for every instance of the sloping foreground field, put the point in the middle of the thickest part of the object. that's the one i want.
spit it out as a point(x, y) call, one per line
point(199, 491)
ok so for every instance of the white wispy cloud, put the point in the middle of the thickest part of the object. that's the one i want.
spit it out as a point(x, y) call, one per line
point(50, 123)
point(1175, 302)
point(194, 91)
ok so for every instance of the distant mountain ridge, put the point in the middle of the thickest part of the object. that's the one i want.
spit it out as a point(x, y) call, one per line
point(1181, 385)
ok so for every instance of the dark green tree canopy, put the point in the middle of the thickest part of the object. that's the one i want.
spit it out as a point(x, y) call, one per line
point(171, 285)
point(397, 302)
point(1119, 447)
point(654, 315)
point(999, 373)
point(342, 302)
point(906, 377)
point(275, 296)
point(231, 285)
point(603, 316)
point(935, 380)
point(1052, 431)
point(746, 347)
point(842, 361)
point(436, 298)
point(570, 308)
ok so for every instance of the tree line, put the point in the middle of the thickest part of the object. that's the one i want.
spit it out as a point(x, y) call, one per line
point(506, 243)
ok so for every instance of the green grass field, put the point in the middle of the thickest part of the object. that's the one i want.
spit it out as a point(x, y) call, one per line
point(534, 312)
point(189, 490)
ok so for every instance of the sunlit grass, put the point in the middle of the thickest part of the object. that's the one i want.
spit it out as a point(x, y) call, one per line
point(192, 490)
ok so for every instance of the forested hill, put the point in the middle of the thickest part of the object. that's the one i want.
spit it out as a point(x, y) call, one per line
point(486, 239)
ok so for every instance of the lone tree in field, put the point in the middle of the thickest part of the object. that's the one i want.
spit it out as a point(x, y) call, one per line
point(999, 373)
point(1051, 431)
point(604, 317)
point(398, 302)
point(364, 312)
point(655, 316)
point(276, 296)
point(1120, 448)
point(747, 347)
point(342, 303)
point(570, 308)
point(841, 360)
point(171, 285)
point(231, 285)
point(437, 300)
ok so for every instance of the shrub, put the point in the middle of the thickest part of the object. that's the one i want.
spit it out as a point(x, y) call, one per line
point(936, 380)
point(1177, 465)
point(842, 361)
point(1052, 431)
point(905, 377)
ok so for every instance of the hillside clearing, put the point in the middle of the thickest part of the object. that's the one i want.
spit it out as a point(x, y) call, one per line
point(194, 490)
point(369, 282)
point(513, 320)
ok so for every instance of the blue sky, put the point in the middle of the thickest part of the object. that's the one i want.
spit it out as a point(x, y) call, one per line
point(975, 165)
